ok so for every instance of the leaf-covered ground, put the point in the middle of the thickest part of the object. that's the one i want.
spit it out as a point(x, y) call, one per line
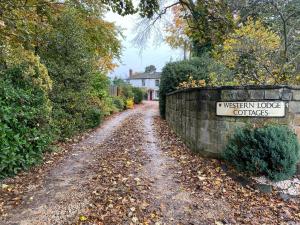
point(205, 177)
point(135, 170)
point(56, 191)
point(168, 184)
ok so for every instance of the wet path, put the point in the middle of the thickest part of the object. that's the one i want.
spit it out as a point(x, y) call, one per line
point(169, 196)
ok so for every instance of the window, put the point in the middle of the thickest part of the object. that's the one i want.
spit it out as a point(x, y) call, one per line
point(157, 94)
point(156, 83)
point(143, 82)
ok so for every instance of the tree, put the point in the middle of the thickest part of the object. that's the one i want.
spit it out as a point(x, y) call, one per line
point(178, 31)
point(102, 38)
point(208, 22)
point(54, 60)
point(146, 8)
point(76, 48)
point(281, 16)
point(22, 21)
point(252, 53)
point(150, 69)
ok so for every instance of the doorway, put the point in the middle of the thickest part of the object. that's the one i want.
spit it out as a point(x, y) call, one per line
point(150, 95)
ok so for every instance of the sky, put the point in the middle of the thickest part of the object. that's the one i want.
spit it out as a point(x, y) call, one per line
point(132, 57)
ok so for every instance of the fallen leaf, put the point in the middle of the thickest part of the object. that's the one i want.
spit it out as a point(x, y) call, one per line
point(82, 218)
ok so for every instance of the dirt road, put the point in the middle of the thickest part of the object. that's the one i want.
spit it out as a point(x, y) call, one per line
point(134, 170)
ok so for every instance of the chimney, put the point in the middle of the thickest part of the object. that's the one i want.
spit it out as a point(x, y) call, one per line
point(130, 73)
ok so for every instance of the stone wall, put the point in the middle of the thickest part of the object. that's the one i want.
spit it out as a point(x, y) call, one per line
point(192, 113)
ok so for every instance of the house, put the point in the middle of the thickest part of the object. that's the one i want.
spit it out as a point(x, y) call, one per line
point(149, 80)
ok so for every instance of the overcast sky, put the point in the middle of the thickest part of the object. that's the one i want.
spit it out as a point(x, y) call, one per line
point(132, 58)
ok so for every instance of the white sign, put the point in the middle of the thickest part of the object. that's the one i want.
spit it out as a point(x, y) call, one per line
point(253, 109)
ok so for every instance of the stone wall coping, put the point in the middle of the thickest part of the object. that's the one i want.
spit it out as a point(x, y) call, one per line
point(248, 87)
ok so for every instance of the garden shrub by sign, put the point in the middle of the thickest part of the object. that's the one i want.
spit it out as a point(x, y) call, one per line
point(272, 151)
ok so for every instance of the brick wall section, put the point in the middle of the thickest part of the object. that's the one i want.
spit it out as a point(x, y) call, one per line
point(192, 113)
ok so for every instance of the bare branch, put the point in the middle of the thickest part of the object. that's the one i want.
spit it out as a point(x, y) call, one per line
point(147, 27)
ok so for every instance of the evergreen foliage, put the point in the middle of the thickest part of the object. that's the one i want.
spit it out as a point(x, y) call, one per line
point(25, 112)
point(119, 102)
point(68, 60)
point(272, 151)
point(175, 73)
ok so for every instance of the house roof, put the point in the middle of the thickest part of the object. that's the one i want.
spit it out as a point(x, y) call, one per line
point(151, 75)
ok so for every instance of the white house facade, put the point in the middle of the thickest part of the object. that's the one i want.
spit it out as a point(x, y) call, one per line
point(148, 80)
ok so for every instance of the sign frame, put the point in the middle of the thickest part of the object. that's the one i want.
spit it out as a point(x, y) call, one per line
point(281, 101)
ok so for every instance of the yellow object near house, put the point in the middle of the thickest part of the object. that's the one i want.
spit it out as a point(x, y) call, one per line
point(130, 103)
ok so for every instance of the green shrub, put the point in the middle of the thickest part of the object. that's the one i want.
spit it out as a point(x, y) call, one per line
point(76, 92)
point(119, 103)
point(138, 94)
point(177, 72)
point(125, 89)
point(93, 117)
point(24, 118)
point(108, 107)
point(63, 124)
point(70, 112)
point(272, 151)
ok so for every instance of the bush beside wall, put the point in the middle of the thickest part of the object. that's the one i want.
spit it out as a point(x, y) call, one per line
point(192, 114)
point(176, 72)
point(272, 151)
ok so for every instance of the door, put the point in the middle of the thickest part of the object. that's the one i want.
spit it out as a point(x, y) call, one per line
point(151, 95)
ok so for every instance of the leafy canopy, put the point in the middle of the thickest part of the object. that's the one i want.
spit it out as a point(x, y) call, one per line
point(54, 57)
point(150, 68)
point(281, 16)
point(252, 53)
point(178, 31)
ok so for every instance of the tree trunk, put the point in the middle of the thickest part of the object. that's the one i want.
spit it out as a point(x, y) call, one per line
point(184, 51)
